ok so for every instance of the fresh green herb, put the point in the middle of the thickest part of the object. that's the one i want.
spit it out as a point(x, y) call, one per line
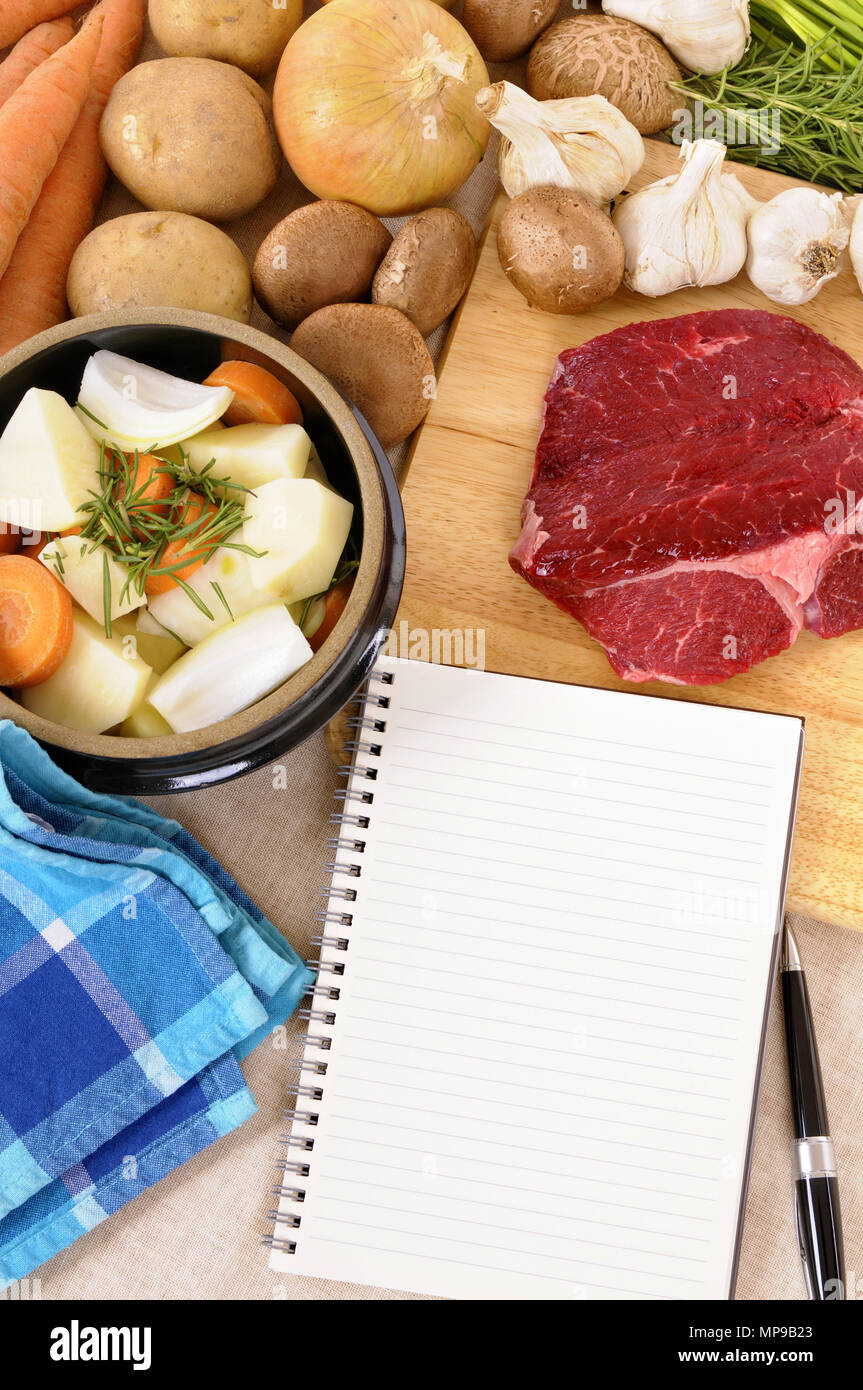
point(820, 110)
point(306, 606)
point(136, 530)
point(171, 633)
point(90, 416)
point(196, 598)
point(221, 597)
point(59, 555)
point(349, 562)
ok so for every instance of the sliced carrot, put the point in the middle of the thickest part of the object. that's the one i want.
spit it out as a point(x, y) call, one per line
point(185, 554)
point(259, 397)
point(35, 621)
point(35, 124)
point(335, 603)
point(30, 51)
point(149, 487)
point(33, 289)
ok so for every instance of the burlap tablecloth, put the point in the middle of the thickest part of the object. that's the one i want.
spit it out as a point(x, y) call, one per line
point(197, 1234)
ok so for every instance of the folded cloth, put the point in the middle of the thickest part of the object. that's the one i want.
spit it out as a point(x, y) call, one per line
point(121, 830)
point(115, 990)
point(197, 1114)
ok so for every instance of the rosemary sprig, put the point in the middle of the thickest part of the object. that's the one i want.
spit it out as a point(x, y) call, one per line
point(90, 415)
point(196, 598)
point(217, 589)
point(820, 110)
point(195, 518)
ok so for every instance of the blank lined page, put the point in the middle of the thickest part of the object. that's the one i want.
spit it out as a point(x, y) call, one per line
point(543, 1067)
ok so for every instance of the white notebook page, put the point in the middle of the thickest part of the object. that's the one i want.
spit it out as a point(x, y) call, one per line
point(542, 1071)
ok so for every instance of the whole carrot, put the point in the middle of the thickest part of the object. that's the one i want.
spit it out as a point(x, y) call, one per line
point(35, 124)
point(17, 17)
point(33, 289)
point(32, 50)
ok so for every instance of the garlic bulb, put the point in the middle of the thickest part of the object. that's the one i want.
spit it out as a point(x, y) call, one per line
point(687, 229)
point(582, 143)
point(796, 243)
point(705, 35)
point(855, 245)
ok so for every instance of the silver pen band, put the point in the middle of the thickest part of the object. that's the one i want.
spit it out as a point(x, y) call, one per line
point(815, 1157)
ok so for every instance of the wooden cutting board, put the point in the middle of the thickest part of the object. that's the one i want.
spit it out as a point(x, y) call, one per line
point(469, 470)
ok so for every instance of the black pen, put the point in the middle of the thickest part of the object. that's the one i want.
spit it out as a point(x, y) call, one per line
point(819, 1224)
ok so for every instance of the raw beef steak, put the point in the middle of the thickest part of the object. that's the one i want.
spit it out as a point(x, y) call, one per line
point(697, 493)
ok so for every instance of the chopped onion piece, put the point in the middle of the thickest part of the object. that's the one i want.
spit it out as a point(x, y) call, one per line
point(230, 670)
point(137, 407)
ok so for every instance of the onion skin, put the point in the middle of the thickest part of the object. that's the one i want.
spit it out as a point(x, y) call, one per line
point(374, 104)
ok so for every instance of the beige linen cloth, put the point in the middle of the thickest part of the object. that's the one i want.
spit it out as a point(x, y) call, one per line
point(196, 1235)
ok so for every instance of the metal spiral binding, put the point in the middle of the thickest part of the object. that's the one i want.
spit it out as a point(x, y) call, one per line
point(347, 818)
point(370, 719)
point(318, 1015)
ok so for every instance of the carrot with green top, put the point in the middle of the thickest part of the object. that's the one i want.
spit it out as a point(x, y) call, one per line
point(17, 17)
point(33, 289)
point(32, 50)
point(35, 124)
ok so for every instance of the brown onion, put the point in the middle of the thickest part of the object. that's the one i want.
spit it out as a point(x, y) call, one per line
point(374, 104)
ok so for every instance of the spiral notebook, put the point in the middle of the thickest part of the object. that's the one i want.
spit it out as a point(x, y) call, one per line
point(547, 958)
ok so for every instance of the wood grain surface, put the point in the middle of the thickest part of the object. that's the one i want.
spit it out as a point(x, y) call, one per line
point(469, 470)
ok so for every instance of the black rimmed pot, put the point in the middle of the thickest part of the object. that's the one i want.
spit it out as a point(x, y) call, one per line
point(189, 344)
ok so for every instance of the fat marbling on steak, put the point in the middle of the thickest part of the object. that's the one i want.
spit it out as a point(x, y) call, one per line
point(697, 491)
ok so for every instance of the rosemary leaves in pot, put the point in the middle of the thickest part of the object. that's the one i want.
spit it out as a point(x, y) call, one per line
point(159, 531)
point(818, 111)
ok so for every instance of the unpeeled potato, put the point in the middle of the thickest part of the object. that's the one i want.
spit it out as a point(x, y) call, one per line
point(249, 33)
point(191, 135)
point(160, 258)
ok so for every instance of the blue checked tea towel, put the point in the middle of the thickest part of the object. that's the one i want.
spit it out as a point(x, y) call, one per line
point(133, 973)
point(195, 1116)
